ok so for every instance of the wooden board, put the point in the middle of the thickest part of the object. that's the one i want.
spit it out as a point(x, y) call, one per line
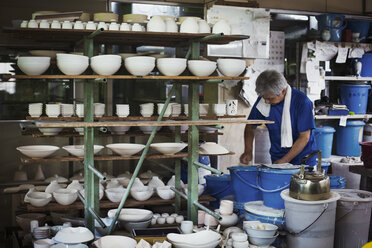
point(154, 123)
point(183, 78)
point(117, 37)
point(105, 204)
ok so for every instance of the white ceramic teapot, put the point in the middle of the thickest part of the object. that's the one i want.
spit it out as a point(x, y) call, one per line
point(156, 24)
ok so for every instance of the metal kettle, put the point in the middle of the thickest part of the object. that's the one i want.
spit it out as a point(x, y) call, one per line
point(310, 186)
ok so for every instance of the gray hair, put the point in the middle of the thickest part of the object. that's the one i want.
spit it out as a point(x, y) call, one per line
point(270, 82)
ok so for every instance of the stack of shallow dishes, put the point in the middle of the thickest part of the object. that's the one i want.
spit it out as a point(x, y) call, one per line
point(261, 234)
point(132, 218)
point(203, 239)
point(41, 232)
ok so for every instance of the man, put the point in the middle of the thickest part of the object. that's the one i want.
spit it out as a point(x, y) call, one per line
point(291, 135)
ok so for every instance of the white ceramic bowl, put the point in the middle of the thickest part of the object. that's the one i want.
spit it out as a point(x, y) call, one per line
point(165, 192)
point(262, 241)
point(201, 68)
point(132, 214)
point(115, 241)
point(105, 64)
point(74, 235)
point(125, 149)
point(72, 64)
point(65, 196)
point(229, 220)
point(33, 65)
point(39, 199)
point(196, 239)
point(115, 194)
point(189, 25)
point(212, 148)
point(148, 129)
point(78, 150)
point(264, 230)
point(171, 66)
point(119, 130)
point(231, 67)
point(37, 151)
point(48, 130)
point(43, 243)
point(168, 148)
point(140, 65)
point(141, 193)
point(200, 189)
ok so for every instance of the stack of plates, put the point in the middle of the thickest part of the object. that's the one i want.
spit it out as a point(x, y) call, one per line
point(41, 232)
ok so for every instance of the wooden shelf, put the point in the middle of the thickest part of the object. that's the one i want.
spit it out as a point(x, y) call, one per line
point(132, 118)
point(347, 78)
point(117, 37)
point(183, 78)
point(104, 204)
point(154, 123)
point(27, 160)
point(330, 117)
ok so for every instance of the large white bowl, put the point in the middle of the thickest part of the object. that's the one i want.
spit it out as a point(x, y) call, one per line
point(37, 151)
point(262, 241)
point(74, 235)
point(45, 53)
point(72, 64)
point(165, 192)
point(231, 67)
point(78, 150)
point(65, 196)
point(201, 68)
point(265, 230)
point(171, 66)
point(212, 148)
point(148, 129)
point(196, 239)
point(105, 64)
point(141, 193)
point(125, 149)
point(168, 148)
point(33, 65)
point(39, 199)
point(48, 130)
point(140, 65)
point(132, 214)
point(119, 130)
point(115, 241)
point(115, 194)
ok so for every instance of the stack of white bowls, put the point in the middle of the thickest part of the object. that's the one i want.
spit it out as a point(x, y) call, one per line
point(99, 109)
point(147, 109)
point(240, 240)
point(261, 234)
point(67, 110)
point(41, 232)
point(167, 112)
point(52, 110)
point(35, 109)
point(122, 110)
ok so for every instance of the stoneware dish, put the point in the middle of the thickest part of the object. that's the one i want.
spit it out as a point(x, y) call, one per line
point(48, 130)
point(261, 229)
point(37, 151)
point(165, 192)
point(39, 199)
point(33, 65)
point(119, 129)
point(262, 241)
point(115, 194)
point(130, 225)
point(198, 239)
point(115, 241)
point(132, 214)
point(125, 149)
point(212, 148)
point(74, 235)
point(78, 150)
point(72, 64)
point(65, 196)
point(105, 64)
point(201, 68)
point(168, 148)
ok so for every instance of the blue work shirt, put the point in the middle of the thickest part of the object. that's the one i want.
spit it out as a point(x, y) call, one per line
point(301, 110)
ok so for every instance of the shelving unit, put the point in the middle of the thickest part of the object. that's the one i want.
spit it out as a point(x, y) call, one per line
point(335, 117)
point(91, 203)
point(347, 78)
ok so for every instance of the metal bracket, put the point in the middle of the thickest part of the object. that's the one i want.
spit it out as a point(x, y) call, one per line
point(97, 173)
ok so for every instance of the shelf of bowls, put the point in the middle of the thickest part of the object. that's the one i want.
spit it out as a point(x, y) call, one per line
point(137, 23)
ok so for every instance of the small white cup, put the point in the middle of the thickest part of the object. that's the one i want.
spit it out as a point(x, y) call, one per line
point(165, 215)
point(52, 110)
point(137, 27)
point(32, 24)
point(226, 207)
point(231, 107)
point(179, 219)
point(44, 24)
point(201, 216)
point(24, 24)
point(170, 220)
point(78, 25)
point(66, 25)
point(91, 26)
point(99, 109)
point(125, 27)
point(160, 220)
point(102, 25)
point(55, 24)
point(114, 26)
point(209, 220)
point(122, 110)
point(187, 226)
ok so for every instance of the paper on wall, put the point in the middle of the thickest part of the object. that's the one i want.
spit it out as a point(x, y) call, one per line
point(343, 121)
point(325, 51)
point(303, 58)
point(248, 91)
point(356, 52)
point(312, 71)
point(342, 54)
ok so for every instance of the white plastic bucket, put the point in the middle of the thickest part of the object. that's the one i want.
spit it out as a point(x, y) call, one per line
point(352, 218)
point(342, 169)
point(310, 223)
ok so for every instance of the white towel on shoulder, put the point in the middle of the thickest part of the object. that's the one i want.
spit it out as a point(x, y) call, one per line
point(286, 127)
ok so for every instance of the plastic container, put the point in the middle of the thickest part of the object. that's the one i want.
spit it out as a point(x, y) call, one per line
point(367, 133)
point(337, 182)
point(348, 138)
point(367, 154)
point(244, 183)
point(262, 146)
point(271, 182)
point(342, 169)
point(359, 26)
point(332, 22)
point(218, 186)
point(352, 218)
point(257, 211)
point(366, 65)
point(324, 139)
point(310, 223)
point(355, 97)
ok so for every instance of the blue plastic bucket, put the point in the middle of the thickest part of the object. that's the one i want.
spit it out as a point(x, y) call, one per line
point(271, 183)
point(348, 138)
point(355, 97)
point(325, 166)
point(366, 65)
point(337, 182)
point(359, 26)
point(332, 22)
point(244, 183)
point(218, 186)
point(324, 139)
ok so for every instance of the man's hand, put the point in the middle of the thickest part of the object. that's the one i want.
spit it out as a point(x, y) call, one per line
point(245, 158)
point(281, 161)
